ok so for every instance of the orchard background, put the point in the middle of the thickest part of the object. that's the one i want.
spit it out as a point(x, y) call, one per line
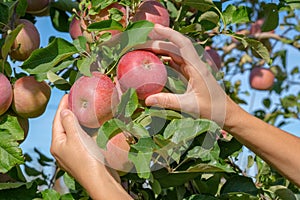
point(233, 30)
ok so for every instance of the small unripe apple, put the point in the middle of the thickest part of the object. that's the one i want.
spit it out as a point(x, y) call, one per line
point(6, 94)
point(154, 12)
point(213, 58)
point(92, 99)
point(30, 97)
point(143, 71)
point(37, 7)
point(26, 41)
point(116, 153)
point(261, 78)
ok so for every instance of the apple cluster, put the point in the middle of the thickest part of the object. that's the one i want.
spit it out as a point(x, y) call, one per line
point(26, 98)
point(93, 98)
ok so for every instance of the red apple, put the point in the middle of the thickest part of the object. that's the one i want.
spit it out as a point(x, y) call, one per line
point(261, 78)
point(30, 97)
point(6, 94)
point(154, 12)
point(116, 153)
point(142, 70)
point(37, 7)
point(213, 58)
point(92, 99)
point(26, 41)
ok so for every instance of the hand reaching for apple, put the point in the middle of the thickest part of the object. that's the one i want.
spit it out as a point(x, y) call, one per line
point(68, 146)
point(204, 97)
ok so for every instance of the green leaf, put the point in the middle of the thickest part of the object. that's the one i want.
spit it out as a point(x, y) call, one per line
point(69, 181)
point(259, 48)
point(238, 183)
point(128, 104)
point(59, 19)
point(205, 154)
point(50, 194)
point(145, 145)
point(294, 4)
point(66, 5)
point(9, 40)
point(58, 81)
point(84, 64)
point(136, 33)
point(182, 130)
point(21, 7)
point(210, 16)
point(202, 5)
point(211, 167)
point(200, 197)
point(7, 9)
point(105, 25)
point(80, 43)
point(24, 191)
point(137, 130)
point(9, 123)
point(108, 130)
point(228, 13)
point(44, 59)
point(241, 15)
point(271, 17)
point(141, 162)
point(282, 192)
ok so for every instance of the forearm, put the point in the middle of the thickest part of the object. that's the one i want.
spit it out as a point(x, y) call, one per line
point(277, 147)
point(101, 186)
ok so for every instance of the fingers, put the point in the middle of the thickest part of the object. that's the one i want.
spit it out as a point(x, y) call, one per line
point(57, 128)
point(69, 122)
point(175, 37)
point(164, 100)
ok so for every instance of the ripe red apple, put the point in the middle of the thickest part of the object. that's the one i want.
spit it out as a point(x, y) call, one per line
point(116, 153)
point(30, 97)
point(92, 99)
point(261, 78)
point(26, 41)
point(154, 12)
point(142, 70)
point(212, 58)
point(37, 6)
point(6, 94)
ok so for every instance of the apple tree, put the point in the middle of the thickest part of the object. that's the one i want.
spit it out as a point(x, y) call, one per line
point(170, 154)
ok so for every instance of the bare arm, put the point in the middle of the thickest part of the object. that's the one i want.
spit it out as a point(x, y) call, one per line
point(204, 97)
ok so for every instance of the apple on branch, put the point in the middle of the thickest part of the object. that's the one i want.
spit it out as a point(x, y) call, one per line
point(154, 12)
point(26, 41)
point(6, 94)
point(30, 97)
point(92, 99)
point(143, 71)
point(261, 78)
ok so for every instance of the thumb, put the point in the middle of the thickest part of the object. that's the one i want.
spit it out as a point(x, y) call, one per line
point(164, 100)
point(69, 122)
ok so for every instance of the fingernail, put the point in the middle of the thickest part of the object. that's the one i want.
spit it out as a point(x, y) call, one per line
point(64, 112)
point(152, 101)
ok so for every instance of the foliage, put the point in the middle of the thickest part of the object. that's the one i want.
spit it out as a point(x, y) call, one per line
point(186, 158)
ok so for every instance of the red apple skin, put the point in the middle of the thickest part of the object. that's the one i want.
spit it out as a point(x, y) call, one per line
point(154, 12)
point(30, 97)
point(116, 153)
point(92, 99)
point(37, 6)
point(75, 29)
point(142, 70)
point(261, 78)
point(6, 94)
point(213, 58)
point(26, 41)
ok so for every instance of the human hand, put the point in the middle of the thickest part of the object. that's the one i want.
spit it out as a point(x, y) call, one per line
point(75, 151)
point(204, 97)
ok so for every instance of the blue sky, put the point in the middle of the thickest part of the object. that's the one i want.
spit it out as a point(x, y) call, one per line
point(40, 128)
